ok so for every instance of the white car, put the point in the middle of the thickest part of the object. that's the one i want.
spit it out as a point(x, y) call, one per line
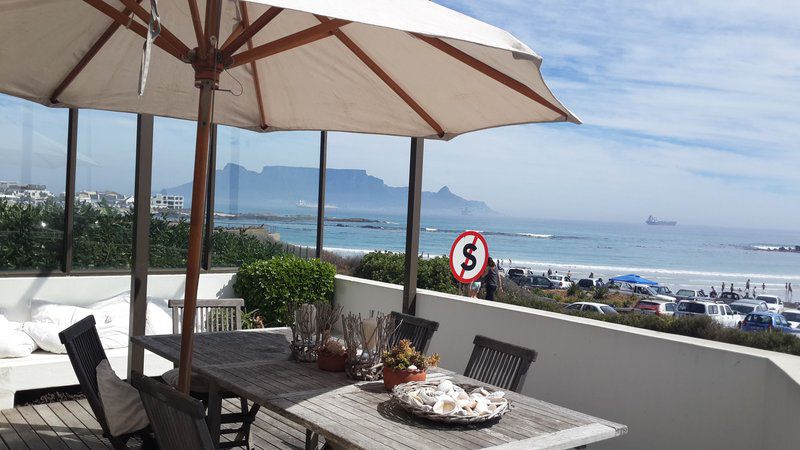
point(719, 311)
point(600, 308)
point(560, 281)
point(747, 306)
point(774, 302)
point(643, 290)
point(793, 316)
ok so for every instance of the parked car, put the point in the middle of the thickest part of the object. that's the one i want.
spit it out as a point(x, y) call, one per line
point(655, 306)
point(560, 281)
point(689, 294)
point(719, 311)
point(643, 290)
point(774, 302)
point(793, 316)
point(591, 307)
point(767, 321)
point(516, 274)
point(589, 283)
point(537, 282)
point(729, 297)
point(663, 290)
point(747, 306)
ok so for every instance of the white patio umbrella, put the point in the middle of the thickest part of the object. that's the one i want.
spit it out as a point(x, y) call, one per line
point(407, 68)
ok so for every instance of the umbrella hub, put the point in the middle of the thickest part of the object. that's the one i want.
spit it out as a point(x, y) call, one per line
point(207, 68)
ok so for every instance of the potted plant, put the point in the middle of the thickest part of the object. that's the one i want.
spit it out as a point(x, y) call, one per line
point(332, 356)
point(403, 364)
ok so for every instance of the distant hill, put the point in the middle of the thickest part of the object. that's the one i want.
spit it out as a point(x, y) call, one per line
point(280, 187)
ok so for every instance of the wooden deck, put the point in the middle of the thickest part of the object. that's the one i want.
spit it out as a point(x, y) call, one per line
point(71, 425)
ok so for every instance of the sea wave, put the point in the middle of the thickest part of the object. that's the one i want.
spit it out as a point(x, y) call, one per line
point(535, 235)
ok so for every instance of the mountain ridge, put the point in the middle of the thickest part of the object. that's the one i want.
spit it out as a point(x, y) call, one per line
point(239, 189)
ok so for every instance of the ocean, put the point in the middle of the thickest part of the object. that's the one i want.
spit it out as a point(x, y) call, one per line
point(683, 256)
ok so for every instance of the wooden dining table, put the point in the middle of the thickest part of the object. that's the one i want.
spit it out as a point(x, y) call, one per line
point(352, 414)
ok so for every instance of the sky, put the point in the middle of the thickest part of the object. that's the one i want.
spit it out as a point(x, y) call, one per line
point(689, 109)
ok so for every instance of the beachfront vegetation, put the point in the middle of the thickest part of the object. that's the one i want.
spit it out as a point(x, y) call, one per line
point(31, 238)
point(433, 273)
point(268, 286)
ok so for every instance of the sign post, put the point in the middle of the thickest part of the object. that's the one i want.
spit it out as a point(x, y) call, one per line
point(468, 257)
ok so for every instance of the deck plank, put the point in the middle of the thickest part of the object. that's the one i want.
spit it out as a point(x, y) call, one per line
point(28, 435)
point(77, 427)
point(64, 433)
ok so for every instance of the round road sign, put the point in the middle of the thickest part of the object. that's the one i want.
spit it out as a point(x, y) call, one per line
point(468, 256)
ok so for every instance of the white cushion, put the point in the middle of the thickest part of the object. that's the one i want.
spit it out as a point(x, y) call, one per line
point(114, 332)
point(159, 316)
point(14, 343)
point(198, 384)
point(121, 402)
point(45, 335)
point(62, 315)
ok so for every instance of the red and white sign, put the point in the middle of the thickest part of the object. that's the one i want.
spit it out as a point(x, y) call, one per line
point(468, 256)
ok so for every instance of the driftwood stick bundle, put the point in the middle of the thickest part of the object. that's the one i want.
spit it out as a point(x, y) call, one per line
point(327, 316)
point(366, 340)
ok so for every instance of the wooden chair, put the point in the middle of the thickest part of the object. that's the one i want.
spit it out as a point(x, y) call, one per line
point(177, 419)
point(416, 329)
point(499, 363)
point(85, 352)
point(213, 315)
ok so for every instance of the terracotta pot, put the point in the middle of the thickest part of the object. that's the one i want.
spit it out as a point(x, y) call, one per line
point(330, 362)
point(392, 377)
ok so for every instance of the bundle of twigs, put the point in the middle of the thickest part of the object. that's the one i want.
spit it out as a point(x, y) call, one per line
point(311, 324)
point(366, 340)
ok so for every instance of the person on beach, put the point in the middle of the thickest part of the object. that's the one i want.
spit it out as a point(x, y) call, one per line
point(569, 275)
point(723, 287)
point(492, 280)
point(713, 293)
point(790, 291)
point(764, 287)
point(549, 272)
point(747, 286)
point(731, 287)
point(591, 275)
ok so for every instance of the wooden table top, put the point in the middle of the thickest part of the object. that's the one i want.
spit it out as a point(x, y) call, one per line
point(362, 415)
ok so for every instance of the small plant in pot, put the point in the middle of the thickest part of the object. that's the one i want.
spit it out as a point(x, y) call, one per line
point(403, 364)
point(332, 356)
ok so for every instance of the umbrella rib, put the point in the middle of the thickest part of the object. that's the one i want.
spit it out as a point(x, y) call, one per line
point(136, 27)
point(256, 83)
point(145, 16)
point(249, 31)
point(197, 26)
point(87, 58)
point(234, 34)
point(289, 42)
point(489, 71)
point(380, 73)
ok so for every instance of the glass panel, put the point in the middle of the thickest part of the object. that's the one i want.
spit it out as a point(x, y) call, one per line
point(173, 168)
point(104, 186)
point(33, 151)
point(265, 192)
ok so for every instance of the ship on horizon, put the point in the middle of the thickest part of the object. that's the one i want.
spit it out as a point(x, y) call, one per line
point(652, 220)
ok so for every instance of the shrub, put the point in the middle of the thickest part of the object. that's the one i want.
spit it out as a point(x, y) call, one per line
point(573, 290)
point(433, 273)
point(600, 293)
point(268, 286)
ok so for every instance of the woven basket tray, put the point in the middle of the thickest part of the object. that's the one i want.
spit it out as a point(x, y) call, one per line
point(413, 408)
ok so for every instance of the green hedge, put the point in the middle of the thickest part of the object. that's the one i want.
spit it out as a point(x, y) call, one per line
point(269, 286)
point(433, 273)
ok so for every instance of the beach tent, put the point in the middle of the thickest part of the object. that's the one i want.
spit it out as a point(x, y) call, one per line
point(406, 68)
point(634, 279)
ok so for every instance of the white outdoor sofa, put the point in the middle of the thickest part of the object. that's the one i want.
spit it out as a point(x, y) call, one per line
point(43, 369)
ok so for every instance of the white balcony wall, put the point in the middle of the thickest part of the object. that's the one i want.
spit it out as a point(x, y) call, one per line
point(671, 391)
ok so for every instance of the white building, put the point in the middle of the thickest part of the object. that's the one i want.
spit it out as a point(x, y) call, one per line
point(98, 198)
point(166, 201)
point(32, 194)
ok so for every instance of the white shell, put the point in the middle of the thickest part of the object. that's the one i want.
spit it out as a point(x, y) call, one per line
point(445, 386)
point(445, 406)
point(413, 397)
point(480, 391)
point(428, 396)
point(481, 405)
point(496, 394)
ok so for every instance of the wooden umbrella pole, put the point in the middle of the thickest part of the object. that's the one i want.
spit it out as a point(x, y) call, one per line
point(207, 70)
point(195, 232)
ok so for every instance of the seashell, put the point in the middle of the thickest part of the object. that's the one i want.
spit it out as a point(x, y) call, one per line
point(414, 398)
point(496, 394)
point(445, 386)
point(480, 391)
point(411, 367)
point(428, 396)
point(426, 408)
point(481, 405)
point(445, 406)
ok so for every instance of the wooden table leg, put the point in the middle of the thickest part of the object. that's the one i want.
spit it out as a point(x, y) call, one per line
point(312, 440)
point(214, 416)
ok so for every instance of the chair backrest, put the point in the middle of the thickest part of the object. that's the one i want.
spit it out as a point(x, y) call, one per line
point(85, 352)
point(177, 420)
point(417, 330)
point(499, 363)
point(216, 314)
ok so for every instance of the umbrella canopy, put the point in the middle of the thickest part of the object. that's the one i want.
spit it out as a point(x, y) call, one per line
point(635, 279)
point(406, 68)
